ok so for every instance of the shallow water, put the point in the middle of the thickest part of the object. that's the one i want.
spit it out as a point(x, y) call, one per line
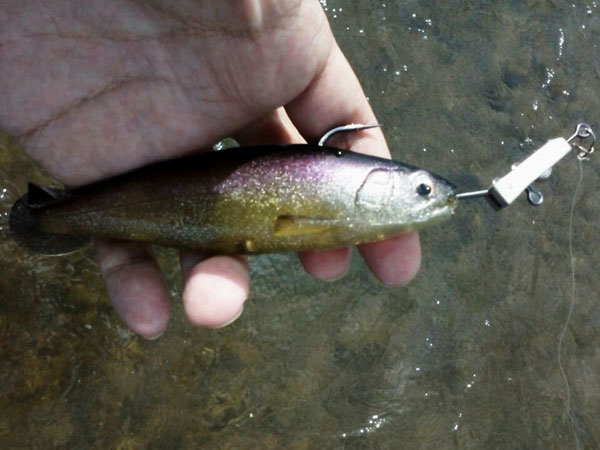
point(465, 357)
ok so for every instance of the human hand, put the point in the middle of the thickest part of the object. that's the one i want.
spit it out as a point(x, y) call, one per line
point(98, 89)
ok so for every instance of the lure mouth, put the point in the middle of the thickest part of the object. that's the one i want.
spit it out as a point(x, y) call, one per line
point(449, 197)
point(452, 200)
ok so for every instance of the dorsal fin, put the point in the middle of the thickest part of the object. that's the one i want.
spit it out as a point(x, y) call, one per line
point(39, 196)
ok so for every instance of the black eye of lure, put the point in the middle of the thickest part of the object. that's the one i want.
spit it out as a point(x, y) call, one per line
point(424, 189)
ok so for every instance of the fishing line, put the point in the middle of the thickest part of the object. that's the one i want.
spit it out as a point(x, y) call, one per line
point(571, 307)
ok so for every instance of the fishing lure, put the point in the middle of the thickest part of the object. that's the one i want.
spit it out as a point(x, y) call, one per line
point(244, 200)
point(267, 199)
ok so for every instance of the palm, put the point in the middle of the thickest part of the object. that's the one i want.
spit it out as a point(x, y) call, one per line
point(95, 89)
point(175, 81)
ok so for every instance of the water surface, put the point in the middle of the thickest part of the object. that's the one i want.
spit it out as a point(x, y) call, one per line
point(465, 357)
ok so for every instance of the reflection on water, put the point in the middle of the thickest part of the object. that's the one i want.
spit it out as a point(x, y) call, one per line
point(465, 357)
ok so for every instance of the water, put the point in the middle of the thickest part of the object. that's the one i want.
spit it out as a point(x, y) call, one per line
point(465, 357)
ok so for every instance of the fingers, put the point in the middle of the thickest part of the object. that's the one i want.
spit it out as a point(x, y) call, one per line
point(335, 98)
point(394, 261)
point(215, 288)
point(276, 127)
point(326, 265)
point(214, 293)
point(135, 285)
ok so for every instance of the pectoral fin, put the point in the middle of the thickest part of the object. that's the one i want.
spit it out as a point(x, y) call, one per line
point(301, 225)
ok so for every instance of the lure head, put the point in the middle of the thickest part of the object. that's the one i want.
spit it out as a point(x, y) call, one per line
point(401, 198)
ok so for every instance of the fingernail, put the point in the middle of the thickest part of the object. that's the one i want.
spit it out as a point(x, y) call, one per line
point(236, 317)
point(337, 277)
point(153, 338)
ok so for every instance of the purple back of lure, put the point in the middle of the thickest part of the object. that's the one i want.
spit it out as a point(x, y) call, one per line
point(244, 200)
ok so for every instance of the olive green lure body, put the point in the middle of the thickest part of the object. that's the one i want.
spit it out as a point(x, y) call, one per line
point(243, 200)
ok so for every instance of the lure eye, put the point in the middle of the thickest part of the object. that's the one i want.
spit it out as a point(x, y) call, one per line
point(424, 189)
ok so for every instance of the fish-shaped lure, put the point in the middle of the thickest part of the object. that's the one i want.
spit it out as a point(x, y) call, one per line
point(244, 200)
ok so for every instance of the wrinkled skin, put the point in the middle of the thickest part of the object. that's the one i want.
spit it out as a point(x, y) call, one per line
point(98, 88)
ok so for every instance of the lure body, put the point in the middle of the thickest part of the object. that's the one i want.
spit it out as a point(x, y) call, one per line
point(244, 200)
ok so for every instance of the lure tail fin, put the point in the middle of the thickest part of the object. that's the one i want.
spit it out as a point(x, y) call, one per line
point(24, 223)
